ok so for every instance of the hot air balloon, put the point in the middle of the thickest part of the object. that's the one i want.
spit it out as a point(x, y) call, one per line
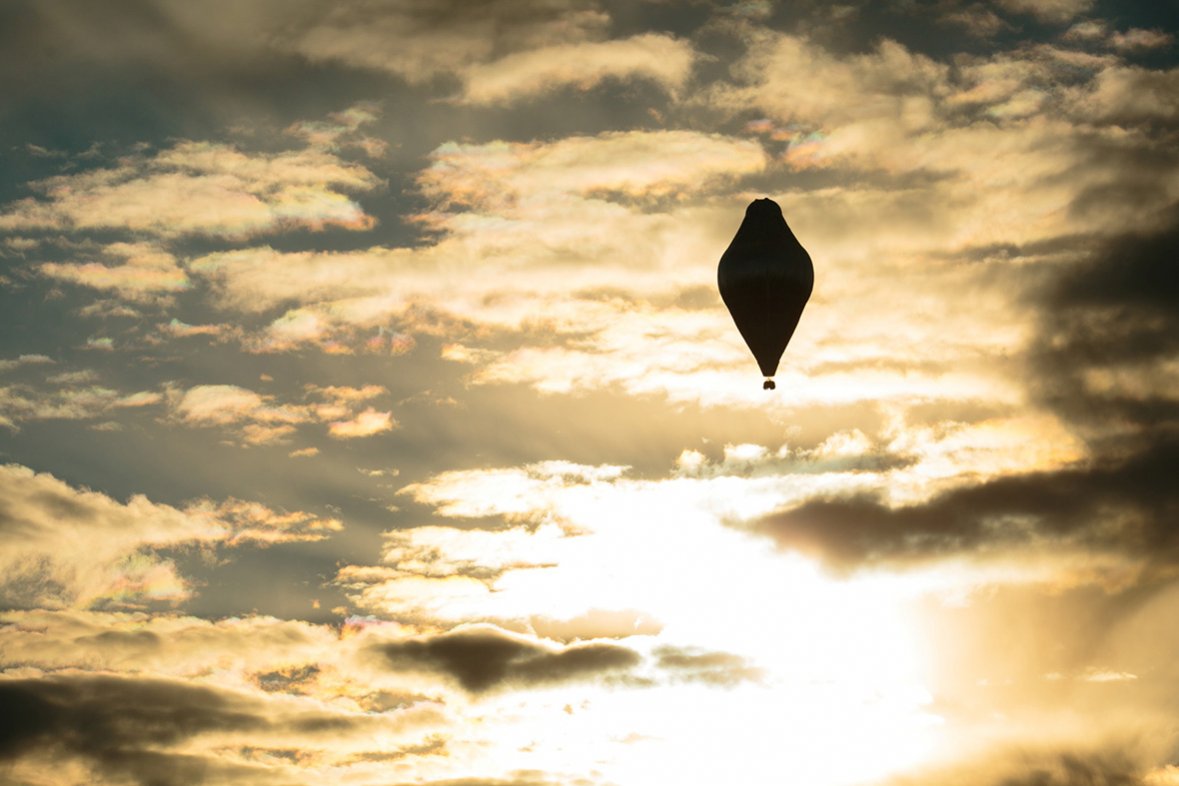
point(765, 277)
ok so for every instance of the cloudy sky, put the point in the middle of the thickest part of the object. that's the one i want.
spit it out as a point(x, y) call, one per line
point(369, 416)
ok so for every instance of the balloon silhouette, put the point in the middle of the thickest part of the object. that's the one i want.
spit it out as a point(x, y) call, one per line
point(765, 277)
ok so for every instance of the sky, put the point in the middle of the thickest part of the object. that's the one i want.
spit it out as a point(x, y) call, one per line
point(369, 415)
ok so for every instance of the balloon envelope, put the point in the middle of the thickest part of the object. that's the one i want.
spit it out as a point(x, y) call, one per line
point(765, 278)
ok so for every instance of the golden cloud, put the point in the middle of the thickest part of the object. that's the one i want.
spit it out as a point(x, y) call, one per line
point(193, 188)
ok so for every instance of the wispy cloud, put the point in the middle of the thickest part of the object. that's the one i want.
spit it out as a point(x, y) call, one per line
point(144, 272)
point(69, 399)
point(193, 188)
point(79, 548)
point(662, 59)
point(7, 364)
point(259, 419)
point(1058, 11)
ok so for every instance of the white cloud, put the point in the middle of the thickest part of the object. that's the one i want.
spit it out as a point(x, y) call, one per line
point(363, 424)
point(178, 329)
point(223, 404)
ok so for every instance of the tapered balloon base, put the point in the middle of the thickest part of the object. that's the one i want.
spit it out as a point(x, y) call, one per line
point(769, 385)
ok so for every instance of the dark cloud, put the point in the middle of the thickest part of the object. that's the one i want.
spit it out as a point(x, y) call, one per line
point(485, 658)
point(1038, 768)
point(1120, 304)
point(721, 669)
point(80, 74)
point(1127, 506)
point(1072, 770)
point(494, 27)
point(119, 725)
point(1107, 324)
point(288, 680)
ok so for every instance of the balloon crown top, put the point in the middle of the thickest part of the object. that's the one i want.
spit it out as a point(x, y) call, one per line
point(765, 206)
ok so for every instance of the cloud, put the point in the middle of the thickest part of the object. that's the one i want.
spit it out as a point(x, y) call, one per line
point(119, 725)
point(149, 729)
point(1125, 95)
point(976, 18)
point(364, 424)
point(1119, 507)
point(163, 644)
point(483, 658)
point(24, 360)
point(178, 329)
point(831, 90)
point(498, 50)
point(78, 548)
point(564, 522)
point(524, 778)
point(722, 669)
point(259, 420)
point(342, 130)
point(511, 492)
point(419, 40)
point(1112, 762)
point(191, 188)
point(147, 698)
point(146, 272)
point(662, 59)
point(521, 194)
point(72, 399)
point(253, 522)
point(632, 163)
point(73, 396)
point(1056, 11)
point(528, 540)
point(1105, 353)
point(893, 109)
point(511, 210)
point(224, 405)
point(1137, 39)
